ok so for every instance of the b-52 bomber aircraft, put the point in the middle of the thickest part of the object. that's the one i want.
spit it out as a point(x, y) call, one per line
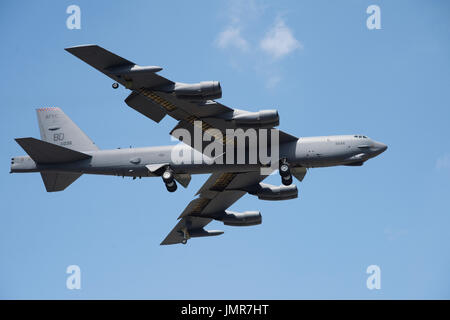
point(65, 152)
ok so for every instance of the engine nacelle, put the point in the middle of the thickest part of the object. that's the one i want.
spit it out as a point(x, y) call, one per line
point(282, 192)
point(247, 218)
point(205, 90)
point(131, 70)
point(204, 233)
point(259, 118)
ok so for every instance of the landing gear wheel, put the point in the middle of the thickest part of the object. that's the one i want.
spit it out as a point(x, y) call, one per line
point(185, 236)
point(167, 176)
point(284, 170)
point(287, 181)
point(115, 85)
point(285, 173)
point(171, 186)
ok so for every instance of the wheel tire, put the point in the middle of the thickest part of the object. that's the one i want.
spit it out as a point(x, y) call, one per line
point(171, 186)
point(184, 241)
point(287, 181)
point(115, 85)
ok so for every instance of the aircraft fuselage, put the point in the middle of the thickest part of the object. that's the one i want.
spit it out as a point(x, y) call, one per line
point(310, 152)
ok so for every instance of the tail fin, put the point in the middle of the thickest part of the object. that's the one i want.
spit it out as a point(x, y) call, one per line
point(57, 128)
point(47, 153)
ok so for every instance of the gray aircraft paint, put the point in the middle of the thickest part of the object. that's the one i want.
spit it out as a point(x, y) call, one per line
point(66, 152)
point(308, 152)
point(141, 162)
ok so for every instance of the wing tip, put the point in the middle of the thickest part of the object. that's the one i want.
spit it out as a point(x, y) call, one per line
point(70, 49)
point(166, 242)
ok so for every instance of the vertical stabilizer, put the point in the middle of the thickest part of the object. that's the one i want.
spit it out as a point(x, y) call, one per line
point(57, 128)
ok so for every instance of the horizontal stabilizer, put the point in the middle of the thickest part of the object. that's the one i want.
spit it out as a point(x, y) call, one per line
point(57, 181)
point(46, 153)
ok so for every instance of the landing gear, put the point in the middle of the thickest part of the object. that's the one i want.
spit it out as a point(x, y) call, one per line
point(284, 169)
point(115, 85)
point(171, 186)
point(185, 236)
point(167, 176)
point(285, 173)
point(287, 181)
point(169, 180)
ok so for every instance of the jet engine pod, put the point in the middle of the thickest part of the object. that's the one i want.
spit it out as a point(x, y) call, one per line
point(205, 90)
point(204, 233)
point(282, 192)
point(247, 218)
point(260, 118)
point(130, 70)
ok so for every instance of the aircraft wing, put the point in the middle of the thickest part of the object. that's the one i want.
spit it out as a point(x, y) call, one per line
point(123, 71)
point(216, 195)
point(192, 105)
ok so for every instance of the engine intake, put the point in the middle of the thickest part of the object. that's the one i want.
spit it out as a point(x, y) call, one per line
point(205, 90)
point(282, 192)
point(247, 218)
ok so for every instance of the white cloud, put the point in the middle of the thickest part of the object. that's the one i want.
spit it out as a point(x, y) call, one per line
point(240, 14)
point(231, 37)
point(279, 41)
point(243, 32)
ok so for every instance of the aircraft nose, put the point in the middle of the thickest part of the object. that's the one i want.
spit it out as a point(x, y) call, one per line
point(380, 147)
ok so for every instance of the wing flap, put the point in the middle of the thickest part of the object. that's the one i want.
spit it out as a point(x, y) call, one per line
point(145, 106)
point(199, 109)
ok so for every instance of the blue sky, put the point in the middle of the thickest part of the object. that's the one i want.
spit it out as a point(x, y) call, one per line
point(326, 73)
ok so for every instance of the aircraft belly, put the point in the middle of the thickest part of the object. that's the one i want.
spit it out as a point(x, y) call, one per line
point(210, 168)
